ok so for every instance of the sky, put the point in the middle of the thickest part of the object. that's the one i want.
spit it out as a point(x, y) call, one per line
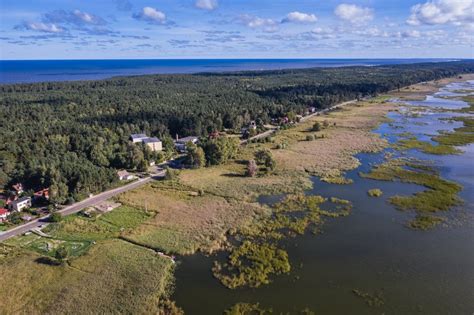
point(154, 29)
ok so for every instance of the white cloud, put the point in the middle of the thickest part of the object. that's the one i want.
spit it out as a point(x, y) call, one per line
point(353, 13)
point(86, 17)
point(206, 4)
point(299, 17)
point(371, 32)
point(458, 12)
point(43, 27)
point(409, 34)
point(267, 25)
point(151, 15)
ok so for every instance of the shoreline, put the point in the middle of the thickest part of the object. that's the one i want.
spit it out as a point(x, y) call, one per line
point(201, 64)
point(179, 216)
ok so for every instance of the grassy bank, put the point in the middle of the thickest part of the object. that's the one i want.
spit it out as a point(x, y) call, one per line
point(440, 195)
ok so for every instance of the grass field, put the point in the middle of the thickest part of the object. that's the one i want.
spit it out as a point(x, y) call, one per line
point(113, 277)
point(186, 222)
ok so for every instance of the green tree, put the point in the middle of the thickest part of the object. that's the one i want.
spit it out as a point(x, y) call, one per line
point(262, 155)
point(14, 217)
point(317, 126)
point(168, 143)
point(195, 158)
point(58, 192)
point(220, 150)
point(61, 254)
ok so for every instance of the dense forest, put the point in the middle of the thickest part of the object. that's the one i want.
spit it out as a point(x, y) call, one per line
point(73, 135)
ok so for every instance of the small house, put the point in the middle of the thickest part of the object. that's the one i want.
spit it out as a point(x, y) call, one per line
point(124, 175)
point(3, 214)
point(180, 144)
point(41, 194)
point(20, 204)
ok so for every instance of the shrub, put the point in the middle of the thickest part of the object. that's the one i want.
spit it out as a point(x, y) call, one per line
point(55, 217)
point(316, 126)
point(309, 137)
point(171, 174)
point(375, 192)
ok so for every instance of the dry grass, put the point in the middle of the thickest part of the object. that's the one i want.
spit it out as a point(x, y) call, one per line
point(334, 154)
point(184, 223)
point(229, 181)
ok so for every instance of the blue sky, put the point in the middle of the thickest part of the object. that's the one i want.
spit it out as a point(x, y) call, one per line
point(102, 29)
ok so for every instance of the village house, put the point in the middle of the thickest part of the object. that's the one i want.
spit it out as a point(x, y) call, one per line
point(3, 214)
point(18, 188)
point(153, 143)
point(124, 175)
point(41, 194)
point(180, 144)
point(20, 204)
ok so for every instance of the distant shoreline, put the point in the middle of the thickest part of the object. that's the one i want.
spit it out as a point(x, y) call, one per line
point(36, 71)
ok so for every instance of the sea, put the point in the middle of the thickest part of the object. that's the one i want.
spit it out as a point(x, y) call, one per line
point(29, 71)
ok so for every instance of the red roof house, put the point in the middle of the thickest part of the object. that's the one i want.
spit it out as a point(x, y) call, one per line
point(3, 214)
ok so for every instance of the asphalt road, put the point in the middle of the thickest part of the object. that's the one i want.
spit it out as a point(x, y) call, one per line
point(78, 206)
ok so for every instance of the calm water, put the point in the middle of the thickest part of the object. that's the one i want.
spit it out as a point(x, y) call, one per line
point(24, 71)
point(371, 250)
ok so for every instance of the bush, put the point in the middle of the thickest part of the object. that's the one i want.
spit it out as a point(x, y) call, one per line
point(309, 138)
point(170, 173)
point(55, 217)
point(316, 126)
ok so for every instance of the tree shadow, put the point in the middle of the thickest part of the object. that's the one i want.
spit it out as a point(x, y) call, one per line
point(47, 261)
point(233, 175)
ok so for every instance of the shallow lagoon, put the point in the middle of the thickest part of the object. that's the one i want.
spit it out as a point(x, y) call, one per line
point(371, 250)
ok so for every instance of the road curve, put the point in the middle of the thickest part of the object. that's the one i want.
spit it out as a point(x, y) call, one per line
point(78, 206)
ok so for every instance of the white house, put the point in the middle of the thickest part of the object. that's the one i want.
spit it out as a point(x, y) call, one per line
point(20, 204)
point(153, 143)
point(124, 175)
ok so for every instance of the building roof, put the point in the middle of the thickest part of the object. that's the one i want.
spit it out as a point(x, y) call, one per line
point(20, 200)
point(187, 139)
point(138, 136)
point(3, 211)
point(123, 173)
point(151, 140)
